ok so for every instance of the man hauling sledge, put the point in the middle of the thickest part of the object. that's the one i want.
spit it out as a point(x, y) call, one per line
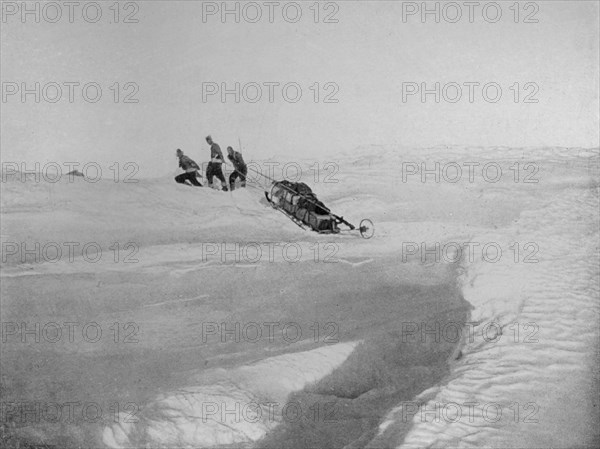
point(240, 170)
point(214, 166)
point(191, 170)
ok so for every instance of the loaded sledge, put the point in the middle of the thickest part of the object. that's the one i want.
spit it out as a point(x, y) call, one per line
point(298, 202)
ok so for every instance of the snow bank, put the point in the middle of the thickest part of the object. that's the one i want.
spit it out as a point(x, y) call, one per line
point(527, 375)
point(233, 407)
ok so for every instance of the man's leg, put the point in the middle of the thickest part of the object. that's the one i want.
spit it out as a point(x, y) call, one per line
point(209, 174)
point(193, 179)
point(232, 178)
point(219, 174)
point(243, 174)
point(180, 179)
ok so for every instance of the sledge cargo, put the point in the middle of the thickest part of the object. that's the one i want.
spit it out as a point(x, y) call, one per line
point(298, 200)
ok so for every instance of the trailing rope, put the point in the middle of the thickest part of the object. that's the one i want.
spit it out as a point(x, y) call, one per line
point(310, 200)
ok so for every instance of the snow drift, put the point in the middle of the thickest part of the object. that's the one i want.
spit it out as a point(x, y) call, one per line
point(528, 348)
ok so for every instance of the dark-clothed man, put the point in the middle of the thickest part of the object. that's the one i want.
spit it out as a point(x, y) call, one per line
point(190, 168)
point(240, 170)
point(214, 166)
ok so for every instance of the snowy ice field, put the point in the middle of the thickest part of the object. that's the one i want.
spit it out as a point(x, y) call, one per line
point(398, 348)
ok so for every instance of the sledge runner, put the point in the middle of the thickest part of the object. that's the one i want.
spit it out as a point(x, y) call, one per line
point(214, 166)
point(239, 166)
point(191, 170)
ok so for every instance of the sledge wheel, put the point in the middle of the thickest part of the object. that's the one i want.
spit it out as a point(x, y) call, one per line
point(366, 228)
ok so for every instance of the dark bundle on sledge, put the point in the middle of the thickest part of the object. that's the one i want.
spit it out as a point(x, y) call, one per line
point(299, 202)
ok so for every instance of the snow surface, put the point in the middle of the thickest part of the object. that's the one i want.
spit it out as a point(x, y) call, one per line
point(175, 282)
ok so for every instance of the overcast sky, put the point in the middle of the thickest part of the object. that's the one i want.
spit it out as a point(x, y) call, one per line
point(371, 55)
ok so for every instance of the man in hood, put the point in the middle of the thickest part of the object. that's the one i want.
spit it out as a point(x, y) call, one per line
point(239, 168)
